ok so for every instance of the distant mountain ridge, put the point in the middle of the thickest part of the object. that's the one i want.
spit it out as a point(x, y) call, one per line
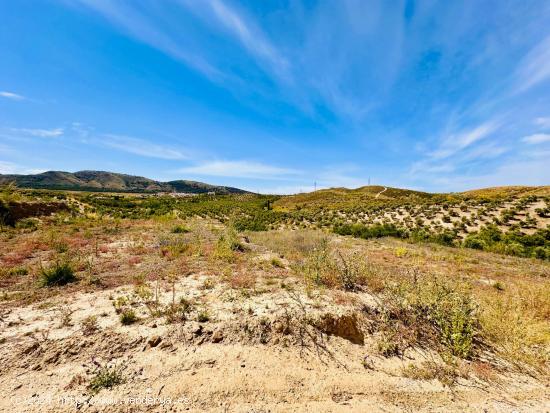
point(102, 181)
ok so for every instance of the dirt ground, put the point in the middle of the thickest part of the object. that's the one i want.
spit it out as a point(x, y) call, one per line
point(241, 360)
point(254, 338)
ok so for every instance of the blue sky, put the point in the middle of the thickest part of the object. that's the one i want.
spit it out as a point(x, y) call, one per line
point(273, 96)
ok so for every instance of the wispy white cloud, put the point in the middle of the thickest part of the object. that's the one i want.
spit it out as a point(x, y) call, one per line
point(518, 172)
point(246, 31)
point(536, 138)
point(144, 28)
point(543, 122)
point(339, 176)
point(534, 67)
point(238, 169)
point(10, 168)
point(11, 95)
point(141, 147)
point(41, 133)
point(456, 142)
point(7, 167)
point(285, 189)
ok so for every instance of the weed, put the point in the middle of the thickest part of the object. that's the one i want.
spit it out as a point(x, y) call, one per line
point(431, 370)
point(277, 263)
point(179, 229)
point(203, 316)
point(432, 311)
point(60, 273)
point(401, 252)
point(89, 325)
point(106, 377)
point(498, 286)
point(175, 313)
point(65, 315)
point(128, 316)
point(387, 346)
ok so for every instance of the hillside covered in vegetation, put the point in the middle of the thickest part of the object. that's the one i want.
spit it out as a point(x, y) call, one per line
point(110, 182)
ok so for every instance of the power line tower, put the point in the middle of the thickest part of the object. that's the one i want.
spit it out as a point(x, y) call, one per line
point(315, 186)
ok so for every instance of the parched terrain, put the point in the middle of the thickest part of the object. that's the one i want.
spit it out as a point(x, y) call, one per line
point(188, 313)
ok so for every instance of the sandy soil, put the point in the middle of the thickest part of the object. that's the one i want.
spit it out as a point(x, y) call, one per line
point(242, 360)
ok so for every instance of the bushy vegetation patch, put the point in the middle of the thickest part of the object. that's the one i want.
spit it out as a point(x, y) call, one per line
point(260, 221)
point(128, 316)
point(328, 267)
point(106, 377)
point(490, 238)
point(370, 231)
point(179, 229)
point(58, 274)
point(427, 311)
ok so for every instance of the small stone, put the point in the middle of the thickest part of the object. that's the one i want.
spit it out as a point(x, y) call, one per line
point(278, 327)
point(217, 336)
point(154, 341)
point(197, 329)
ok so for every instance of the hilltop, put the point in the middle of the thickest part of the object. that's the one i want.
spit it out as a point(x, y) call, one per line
point(110, 182)
point(375, 195)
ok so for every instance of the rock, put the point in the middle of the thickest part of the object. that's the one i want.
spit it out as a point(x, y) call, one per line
point(196, 329)
point(31, 348)
point(278, 327)
point(345, 326)
point(165, 344)
point(154, 341)
point(217, 336)
point(53, 358)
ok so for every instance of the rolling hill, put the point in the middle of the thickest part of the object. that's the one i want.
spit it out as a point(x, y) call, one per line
point(110, 182)
point(374, 195)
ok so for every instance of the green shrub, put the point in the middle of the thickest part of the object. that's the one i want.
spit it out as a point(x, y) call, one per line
point(128, 316)
point(106, 378)
point(276, 262)
point(179, 229)
point(12, 272)
point(429, 310)
point(541, 253)
point(370, 231)
point(56, 275)
point(28, 224)
point(473, 241)
point(203, 316)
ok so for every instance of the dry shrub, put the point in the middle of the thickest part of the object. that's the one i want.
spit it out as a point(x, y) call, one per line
point(516, 323)
point(89, 325)
point(484, 371)
point(21, 252)
point(430, 370)
point(139, 249)
point(331, 268)
point(76, 243)
point(240, 280)
point(294, 245)
point(228, 245)
point(13, 259)
point(134, 260)
point(426, 311)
